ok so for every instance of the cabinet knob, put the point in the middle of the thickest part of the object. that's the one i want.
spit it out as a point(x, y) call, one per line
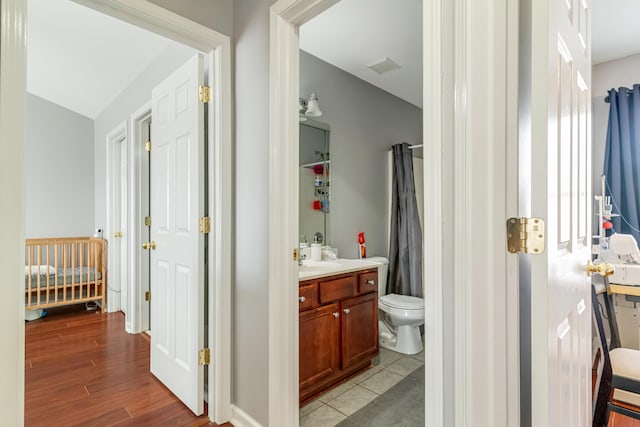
point(371, 282)
point(336, 314)
point(347, 311)
point(302, 299)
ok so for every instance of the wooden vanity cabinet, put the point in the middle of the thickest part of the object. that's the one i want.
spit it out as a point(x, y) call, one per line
point(319, 344)
point(338, 329)
point(359, 329)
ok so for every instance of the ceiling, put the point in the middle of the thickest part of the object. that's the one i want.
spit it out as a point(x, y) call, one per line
point(369, 30)
point(356, 33)
point(82, 59)
point(615, 32)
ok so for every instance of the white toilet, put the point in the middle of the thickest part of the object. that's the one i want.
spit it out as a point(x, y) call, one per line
point(400, 316)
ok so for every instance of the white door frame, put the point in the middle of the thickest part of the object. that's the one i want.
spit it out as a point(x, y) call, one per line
point(468, 309)
point(116, 290)
point(485, 188)
point(13, 94)
point(13, 115)
point(138, 275)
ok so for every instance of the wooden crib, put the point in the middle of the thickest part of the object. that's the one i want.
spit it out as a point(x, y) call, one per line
point(63, 271)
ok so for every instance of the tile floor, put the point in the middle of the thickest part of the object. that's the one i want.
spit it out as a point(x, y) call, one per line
point(337, 404)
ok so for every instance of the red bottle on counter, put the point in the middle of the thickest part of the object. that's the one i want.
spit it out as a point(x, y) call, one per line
point(362, 245)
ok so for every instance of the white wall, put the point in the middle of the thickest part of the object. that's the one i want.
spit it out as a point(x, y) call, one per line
point(607, 75)
point(365, 122)
point(59, 171)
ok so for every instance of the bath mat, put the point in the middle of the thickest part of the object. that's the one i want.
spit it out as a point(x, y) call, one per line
point(400, 406)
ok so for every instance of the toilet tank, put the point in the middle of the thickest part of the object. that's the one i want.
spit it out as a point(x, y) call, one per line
point(382, 273)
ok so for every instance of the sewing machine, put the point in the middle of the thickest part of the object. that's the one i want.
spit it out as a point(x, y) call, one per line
point(624, 254)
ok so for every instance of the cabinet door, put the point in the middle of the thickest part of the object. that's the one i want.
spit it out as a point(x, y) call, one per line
point(319, 344)
point(359, 328)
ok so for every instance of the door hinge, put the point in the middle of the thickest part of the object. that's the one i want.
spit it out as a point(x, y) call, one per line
point(205, 94)
point(147, 221)
point(525, 235)
point(204, 356)
point(296, 254)
point(147, 146)
point(205, 224)
point(147, 296)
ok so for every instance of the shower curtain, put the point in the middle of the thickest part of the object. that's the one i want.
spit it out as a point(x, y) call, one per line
point(405, 245)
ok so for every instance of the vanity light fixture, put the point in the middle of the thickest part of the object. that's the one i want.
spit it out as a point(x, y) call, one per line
point(309, 107)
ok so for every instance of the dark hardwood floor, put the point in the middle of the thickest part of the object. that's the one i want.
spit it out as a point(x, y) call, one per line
point(83, 369)
point(617, 420)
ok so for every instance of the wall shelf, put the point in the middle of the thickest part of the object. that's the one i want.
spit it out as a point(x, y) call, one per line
point(310, 165)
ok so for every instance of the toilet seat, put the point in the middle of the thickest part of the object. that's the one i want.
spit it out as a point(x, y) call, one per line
point(404, 302)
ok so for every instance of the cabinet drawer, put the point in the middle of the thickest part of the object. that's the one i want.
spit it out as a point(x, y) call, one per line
point(336, 289)
point(308, 296)
point(368, 282)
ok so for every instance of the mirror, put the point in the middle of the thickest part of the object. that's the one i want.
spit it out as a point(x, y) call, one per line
point(315, 194)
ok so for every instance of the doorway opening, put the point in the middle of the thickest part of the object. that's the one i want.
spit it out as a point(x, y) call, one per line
point(369, 110)
point(117, 218)
point(139, 318)
point(287, 16)
point(167, 24)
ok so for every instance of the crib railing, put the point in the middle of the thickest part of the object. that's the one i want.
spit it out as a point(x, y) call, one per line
point(61, 271)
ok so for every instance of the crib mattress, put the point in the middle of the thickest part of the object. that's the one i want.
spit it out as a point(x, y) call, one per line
point(68, 276)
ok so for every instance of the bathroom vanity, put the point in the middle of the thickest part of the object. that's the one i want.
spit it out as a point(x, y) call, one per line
point(338, 324)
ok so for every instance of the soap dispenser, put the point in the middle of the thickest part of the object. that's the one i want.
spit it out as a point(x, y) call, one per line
point(316, 249)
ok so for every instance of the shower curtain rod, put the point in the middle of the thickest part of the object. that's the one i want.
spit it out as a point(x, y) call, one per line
point(411, 147)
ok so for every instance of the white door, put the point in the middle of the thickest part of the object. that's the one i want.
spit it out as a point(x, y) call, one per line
point(177, 262)
point(561, 195)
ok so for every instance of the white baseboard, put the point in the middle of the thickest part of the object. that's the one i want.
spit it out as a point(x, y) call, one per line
point(239, 418)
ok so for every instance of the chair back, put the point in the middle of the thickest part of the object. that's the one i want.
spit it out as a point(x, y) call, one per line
point(601, 395)
point(606, 313)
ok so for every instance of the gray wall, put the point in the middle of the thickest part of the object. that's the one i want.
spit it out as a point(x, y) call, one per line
point(365, 121)
point(605, 76)
point(59, 171)
point(131, 99)
point(251, 237)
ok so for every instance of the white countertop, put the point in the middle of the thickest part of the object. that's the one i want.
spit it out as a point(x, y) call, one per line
point(315, 269)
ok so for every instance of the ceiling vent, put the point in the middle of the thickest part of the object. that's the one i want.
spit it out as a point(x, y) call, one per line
point(384, 65)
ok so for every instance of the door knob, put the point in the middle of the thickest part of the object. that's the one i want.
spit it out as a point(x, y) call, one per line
point(347, 311)
point(118, 234)
point(371, 282)
point(603, 269)
point(302, 299)
point(149, 245)
point(336, 314)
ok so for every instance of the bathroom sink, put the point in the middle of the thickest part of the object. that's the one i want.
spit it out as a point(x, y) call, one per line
point(316, 268)
point(313, 269)
point(320, 264)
